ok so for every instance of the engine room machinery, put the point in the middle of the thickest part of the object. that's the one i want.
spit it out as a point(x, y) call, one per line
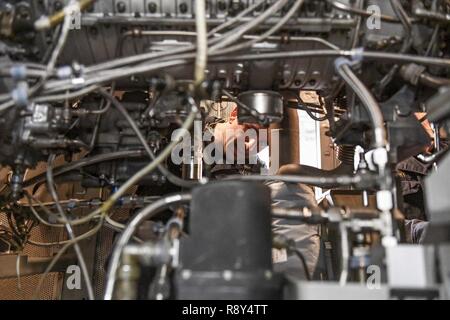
point(98, 176)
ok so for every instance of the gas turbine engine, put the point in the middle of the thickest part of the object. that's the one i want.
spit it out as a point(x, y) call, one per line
point(107, 85)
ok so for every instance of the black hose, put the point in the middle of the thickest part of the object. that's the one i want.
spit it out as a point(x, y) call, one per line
point(302, 258)
point(340, 180)
point(369, 102)
point(432, 81)
point(85, 162)
point(407, 25)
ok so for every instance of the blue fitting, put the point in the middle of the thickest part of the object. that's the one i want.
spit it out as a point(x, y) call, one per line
point(175, 221)
point(20, 94)
point(358, 55)
point(120, 200)
point(341, 61)
point(71, 205)
point(64, 72)
point(18, 72)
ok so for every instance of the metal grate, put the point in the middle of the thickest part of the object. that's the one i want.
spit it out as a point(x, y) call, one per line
point(53, 283)
point(50, 289)
point(103, 248)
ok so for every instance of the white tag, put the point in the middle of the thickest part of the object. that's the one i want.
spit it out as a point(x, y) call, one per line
point(279, 255)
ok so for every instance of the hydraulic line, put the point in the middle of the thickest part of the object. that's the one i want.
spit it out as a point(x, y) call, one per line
point(128, 232)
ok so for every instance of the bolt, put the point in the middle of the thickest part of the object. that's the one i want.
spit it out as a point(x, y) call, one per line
point(237, 5)
point(121, 7)
point(94, 31)
point(221, 5)
point(227, 275)
point(57, 5)
point(186, 274)
point(152, 7)
point(183, 7)
point(23, 13)
point(90, 8)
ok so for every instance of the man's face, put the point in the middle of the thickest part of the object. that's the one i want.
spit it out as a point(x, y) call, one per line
point(229, 134)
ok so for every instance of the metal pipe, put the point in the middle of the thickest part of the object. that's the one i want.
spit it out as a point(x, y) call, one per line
point(368, 101)
point(128, 232)
point(297, 23)
point(341, 180)
point(84, 163)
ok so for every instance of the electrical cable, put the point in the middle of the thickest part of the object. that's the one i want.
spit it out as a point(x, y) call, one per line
point(408, 40)
point(51, 48)
point(158, 55)
point(236, 34)
point(30, 198)
point(342, 180)
point(255, 113)
point(312, 116)
point(386, 56)
point(151, 55)
point(109, 76)
point(127, 233)
point(368, 101)
point(83, 236)
point(85, 162)
point(370, 55)
point(54, 194)
point(235, 19)
point(294, 9)
point(201, 59)
point(102, 110)
point(300, 255)
point(67, 95)
point(51, 64)
point(432, 81)
point(432, 43)
point(305, 108)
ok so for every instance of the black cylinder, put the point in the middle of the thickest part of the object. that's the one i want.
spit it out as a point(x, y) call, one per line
point(230, 228)
point(267, 103)
point(228, 251)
